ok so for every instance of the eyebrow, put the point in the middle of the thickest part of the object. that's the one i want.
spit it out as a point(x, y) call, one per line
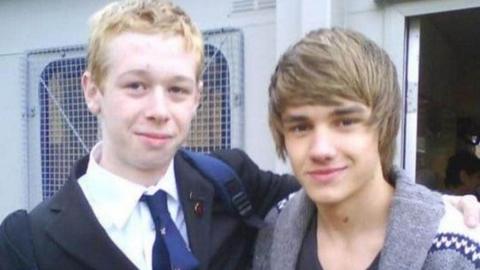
point(350, 109)
point(182, 79)
point(292, 118)
point(142, 72)
point(337, 112)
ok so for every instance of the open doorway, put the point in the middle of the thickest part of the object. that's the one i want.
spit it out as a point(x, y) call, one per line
point(445, 86)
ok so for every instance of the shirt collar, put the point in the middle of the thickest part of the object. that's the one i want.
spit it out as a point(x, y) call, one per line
point(116, 196)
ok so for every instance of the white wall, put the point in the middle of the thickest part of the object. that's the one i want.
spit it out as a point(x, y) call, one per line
point(26, 25)
point(12, 186)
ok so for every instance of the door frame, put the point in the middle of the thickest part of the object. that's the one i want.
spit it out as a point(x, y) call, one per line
point(396, 43)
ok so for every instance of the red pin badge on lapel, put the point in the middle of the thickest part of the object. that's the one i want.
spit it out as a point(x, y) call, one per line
point(198, 209)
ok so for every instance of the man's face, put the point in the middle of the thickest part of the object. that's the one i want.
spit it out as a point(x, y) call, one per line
point(147, 100)
point(333, 150)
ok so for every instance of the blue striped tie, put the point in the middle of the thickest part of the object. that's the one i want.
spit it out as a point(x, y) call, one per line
point(169, 249)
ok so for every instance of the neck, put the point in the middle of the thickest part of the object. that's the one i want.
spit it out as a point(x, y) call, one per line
point(142, 176)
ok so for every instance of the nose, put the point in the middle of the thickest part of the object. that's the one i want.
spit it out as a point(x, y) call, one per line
point(157, 108)
point(323, 146)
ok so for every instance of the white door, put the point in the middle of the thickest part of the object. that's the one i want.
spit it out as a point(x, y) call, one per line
point(411, 97)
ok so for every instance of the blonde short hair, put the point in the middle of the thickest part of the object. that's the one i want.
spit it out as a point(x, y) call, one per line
point(328, 64)
point(145, 16)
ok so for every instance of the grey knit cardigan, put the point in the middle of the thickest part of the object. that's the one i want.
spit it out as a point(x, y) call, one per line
point(422, 233)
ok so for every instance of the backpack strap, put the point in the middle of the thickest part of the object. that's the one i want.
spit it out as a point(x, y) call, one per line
point(227, 184)
point(16, 241)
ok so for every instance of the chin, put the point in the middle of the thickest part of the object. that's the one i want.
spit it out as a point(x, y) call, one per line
point(326, 202)
point(148, 165)
point(325, 198)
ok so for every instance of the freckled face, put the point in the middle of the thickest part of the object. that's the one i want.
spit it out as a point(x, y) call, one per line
point(148, 99)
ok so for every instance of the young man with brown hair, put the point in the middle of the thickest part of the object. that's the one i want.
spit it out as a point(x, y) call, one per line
point(335, 111)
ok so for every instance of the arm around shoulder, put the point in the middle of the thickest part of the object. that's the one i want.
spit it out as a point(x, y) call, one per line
point(265, 188)
point(455, 246)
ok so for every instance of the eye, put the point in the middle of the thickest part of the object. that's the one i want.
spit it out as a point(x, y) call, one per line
point(298, 129)
point(177, 90)
point(348, 122)
point(136, 86)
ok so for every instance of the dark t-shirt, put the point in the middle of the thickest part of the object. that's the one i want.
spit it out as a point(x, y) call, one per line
point(308, 259)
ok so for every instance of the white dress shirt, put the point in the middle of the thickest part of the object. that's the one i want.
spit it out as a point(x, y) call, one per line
point(116, 204)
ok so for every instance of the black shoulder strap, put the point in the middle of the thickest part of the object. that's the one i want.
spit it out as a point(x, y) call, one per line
point(16, 242)
point(227, 185)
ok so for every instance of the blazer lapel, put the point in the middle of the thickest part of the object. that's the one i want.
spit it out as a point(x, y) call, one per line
point(196, 195)
point(75, 229)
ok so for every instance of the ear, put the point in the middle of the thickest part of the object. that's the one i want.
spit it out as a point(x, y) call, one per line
point(91, 92)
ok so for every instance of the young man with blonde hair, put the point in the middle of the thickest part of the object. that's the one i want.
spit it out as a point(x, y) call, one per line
point(335, 111)
point(136, 202)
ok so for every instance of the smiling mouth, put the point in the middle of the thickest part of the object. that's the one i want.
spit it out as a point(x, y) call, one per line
point(326, 175)
point(154, 139)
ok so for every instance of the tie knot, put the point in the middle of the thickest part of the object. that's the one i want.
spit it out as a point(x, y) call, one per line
point(159, 195)
point(157, 203)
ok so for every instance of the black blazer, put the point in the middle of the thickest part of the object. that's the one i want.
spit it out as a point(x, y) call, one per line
point(67, 235)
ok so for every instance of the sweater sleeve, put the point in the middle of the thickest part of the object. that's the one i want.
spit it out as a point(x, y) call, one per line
point(263, 244)
point(455, 246)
